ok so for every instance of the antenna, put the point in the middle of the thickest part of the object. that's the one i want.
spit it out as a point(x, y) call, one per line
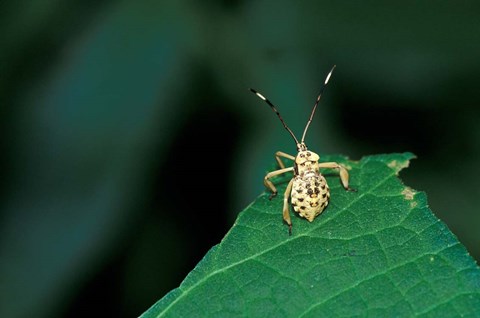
point(316, 103)
point(276, 111)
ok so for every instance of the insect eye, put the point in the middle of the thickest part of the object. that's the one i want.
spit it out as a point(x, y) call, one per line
point(308, 154)
point(302, 155)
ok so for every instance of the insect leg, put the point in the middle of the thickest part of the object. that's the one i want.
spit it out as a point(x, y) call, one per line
point(286, 212)
point(279, 154)
point(269, 184)
point(343, 173)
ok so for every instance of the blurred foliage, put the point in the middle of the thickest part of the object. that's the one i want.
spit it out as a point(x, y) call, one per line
point(119, 118)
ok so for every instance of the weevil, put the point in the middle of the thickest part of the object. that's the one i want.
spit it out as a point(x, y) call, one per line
point(308, 189)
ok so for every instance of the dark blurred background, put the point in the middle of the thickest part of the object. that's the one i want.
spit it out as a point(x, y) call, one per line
point(129, 139)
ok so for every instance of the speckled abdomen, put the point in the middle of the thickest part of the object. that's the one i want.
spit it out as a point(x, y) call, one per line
point(310, 195)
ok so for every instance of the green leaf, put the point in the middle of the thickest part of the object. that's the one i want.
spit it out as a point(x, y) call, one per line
point(377, 252)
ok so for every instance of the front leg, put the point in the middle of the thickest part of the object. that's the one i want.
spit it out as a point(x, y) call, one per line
point(343, 173)
point(269, 184)
point(279, 154)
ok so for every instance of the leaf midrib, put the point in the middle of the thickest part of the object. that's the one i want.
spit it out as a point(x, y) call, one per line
point(253, 256)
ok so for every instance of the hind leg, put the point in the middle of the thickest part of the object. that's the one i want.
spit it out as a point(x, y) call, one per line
point(286, 212)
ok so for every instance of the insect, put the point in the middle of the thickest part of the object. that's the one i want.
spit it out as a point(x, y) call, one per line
point(308, 189)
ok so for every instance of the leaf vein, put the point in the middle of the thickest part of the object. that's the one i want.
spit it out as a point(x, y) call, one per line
point(220, 270)
point(386, 271)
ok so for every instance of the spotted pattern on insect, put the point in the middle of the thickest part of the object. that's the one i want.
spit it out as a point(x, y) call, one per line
point(308, 190)
point(310, 203)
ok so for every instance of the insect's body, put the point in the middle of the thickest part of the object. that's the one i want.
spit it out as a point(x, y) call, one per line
point(308, 189)
point(310, 192)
